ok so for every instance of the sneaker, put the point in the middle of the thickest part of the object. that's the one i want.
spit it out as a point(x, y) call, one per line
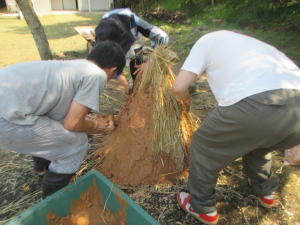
point(184, 201)
point(267, 201)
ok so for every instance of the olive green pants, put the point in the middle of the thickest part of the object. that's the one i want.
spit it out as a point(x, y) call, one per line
point(251, 128)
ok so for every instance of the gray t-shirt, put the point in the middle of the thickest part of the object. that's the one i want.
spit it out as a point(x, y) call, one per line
point(46, 88)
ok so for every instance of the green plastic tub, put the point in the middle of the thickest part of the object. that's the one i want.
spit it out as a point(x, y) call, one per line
point(59, 202)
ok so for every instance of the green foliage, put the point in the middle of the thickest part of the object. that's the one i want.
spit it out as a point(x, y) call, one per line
point(266, 13)
point(276, 22)
point(241, 13)
point(169, 5)
point(191, 7)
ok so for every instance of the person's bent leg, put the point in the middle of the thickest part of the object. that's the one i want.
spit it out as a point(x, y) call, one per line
point(213, 148)
point(210, 152)
point(53, 182)
point(202, 178)
point(39, 164)
point(282, 108)
point(232, 132)
point(47, 139)
point(215, 144)
point(257, 166)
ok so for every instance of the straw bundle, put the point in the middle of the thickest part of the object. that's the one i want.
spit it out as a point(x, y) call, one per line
point(173, 126)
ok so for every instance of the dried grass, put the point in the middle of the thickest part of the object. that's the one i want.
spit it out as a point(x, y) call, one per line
point(16, 179)
point(172, 124)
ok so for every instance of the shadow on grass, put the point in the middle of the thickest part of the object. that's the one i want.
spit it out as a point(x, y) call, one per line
point(67, 55)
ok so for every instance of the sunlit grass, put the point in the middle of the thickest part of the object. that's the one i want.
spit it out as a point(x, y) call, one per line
point(17, 44)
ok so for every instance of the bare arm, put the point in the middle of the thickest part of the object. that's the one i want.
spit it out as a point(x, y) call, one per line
point(123, 81)
point(75, 120)
point(181, 86)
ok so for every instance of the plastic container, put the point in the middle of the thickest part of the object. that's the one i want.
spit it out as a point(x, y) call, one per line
point(59, 202)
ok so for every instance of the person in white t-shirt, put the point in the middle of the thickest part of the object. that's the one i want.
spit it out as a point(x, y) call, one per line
point(257, 90)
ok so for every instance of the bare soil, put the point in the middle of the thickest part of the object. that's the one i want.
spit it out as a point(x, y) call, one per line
point(236, 203)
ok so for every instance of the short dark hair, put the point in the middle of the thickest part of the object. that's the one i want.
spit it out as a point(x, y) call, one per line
point(107, 54)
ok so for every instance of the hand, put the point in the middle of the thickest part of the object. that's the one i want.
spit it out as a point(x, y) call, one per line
point(101, 124)
point(187, 104)
point(111, 126)
point(140, 69)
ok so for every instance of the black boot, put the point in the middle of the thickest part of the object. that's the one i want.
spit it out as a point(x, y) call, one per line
point(39, 164)
point(53, 182)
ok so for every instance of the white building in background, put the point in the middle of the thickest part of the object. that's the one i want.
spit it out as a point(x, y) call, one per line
point(51, 5)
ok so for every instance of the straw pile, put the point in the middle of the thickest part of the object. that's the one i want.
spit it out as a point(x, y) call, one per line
point(153, 132)
point(173, 126)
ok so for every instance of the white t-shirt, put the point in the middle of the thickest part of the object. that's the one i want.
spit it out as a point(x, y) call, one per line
point(47, 88)
point(238, 66)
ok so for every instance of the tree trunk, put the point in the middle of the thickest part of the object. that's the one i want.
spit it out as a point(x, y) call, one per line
point(36, 28)
point(213, 5)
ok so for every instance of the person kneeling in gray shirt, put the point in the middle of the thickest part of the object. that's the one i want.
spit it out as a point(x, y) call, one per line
point(36, 96)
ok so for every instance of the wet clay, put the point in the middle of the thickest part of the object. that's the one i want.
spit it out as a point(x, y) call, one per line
point(127, 150)
point(88, 210)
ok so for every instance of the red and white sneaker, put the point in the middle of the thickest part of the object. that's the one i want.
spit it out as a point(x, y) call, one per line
point(267, 201)
point(183, 199)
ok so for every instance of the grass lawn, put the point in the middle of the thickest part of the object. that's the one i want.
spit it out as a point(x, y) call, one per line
point(17, 44)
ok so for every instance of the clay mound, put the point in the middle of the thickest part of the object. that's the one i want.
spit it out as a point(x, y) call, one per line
point(146, 148)
point(128, 158)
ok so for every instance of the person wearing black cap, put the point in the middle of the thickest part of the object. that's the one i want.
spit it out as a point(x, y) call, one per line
point(126, 28)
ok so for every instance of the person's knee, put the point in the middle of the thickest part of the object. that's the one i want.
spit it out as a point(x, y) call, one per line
point(71, 162)
point(80, 140)
point(82, 147)
point(259, 154)
point(79, 146)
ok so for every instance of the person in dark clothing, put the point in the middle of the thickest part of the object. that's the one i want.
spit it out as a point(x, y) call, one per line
point(126, 28)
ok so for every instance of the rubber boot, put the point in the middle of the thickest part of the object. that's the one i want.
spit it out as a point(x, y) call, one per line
point(39, 164)
point(53, 182)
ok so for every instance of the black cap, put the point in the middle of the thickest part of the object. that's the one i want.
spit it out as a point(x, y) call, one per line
point(115, 28)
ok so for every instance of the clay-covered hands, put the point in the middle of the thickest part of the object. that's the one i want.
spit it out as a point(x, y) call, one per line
point(111, 124)
point(140, 69)
point(102, 124)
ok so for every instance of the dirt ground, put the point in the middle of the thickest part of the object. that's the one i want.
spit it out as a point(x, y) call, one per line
point(236, 203)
